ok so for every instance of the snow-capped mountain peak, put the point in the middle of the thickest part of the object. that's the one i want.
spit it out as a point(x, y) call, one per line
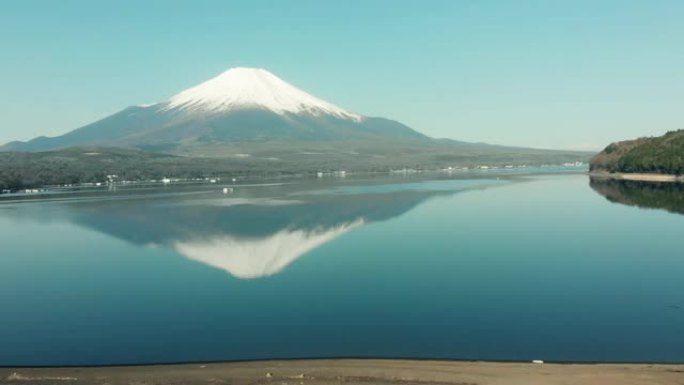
point(244, 88)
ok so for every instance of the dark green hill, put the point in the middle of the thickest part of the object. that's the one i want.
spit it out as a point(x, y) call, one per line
point(659, 155)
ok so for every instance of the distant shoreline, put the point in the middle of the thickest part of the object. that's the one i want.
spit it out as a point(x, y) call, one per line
point(357, 371)
point(643, 177)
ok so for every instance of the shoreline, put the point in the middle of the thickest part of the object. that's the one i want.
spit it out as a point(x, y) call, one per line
point(59, 193)
point(354, 371)
point(641, 177)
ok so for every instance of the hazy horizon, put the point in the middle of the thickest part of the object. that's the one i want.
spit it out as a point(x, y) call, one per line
point(564, 75)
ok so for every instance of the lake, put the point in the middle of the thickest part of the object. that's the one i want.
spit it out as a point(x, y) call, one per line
point(489, 266)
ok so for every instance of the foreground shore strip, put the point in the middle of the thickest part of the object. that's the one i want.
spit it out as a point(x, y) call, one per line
point(354, 371)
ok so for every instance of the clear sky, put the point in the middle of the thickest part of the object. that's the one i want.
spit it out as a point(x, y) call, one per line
point(557, 74)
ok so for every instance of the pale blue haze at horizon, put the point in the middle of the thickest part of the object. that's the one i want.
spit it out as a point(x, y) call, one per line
point(566, 74)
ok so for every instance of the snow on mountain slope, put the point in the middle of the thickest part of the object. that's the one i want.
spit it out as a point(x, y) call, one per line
point(244, 88)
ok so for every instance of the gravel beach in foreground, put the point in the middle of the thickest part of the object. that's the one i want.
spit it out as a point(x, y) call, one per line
point(353, 371)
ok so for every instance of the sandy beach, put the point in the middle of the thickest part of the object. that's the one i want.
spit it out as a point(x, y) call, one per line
point(639, 177)
point(354, 371)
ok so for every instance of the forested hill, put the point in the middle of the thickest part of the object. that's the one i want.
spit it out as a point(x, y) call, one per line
point(88, 165)
point(93, 164)
point(658, 155)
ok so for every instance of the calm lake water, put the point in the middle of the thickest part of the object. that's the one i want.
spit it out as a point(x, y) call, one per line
point(495, 267)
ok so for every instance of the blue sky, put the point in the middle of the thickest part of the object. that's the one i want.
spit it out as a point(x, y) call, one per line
point(557, 74)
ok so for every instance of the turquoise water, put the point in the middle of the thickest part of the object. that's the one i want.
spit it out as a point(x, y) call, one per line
point(497, 268)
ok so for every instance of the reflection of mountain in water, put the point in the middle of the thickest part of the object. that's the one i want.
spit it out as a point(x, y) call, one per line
point(653, 195)
point(168, 221)
point(252, 258)
point(248, 238)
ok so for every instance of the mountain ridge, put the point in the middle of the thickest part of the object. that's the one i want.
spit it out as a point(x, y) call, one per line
point(256, 122)
point(239, 105)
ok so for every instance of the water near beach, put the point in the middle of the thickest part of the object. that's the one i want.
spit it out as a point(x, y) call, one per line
point(487, 266)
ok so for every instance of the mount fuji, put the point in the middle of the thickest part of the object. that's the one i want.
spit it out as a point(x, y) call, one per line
point(241, 105)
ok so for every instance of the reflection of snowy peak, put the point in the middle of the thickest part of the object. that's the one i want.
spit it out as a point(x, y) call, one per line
point(253, 232)
point(260, 257)
point(246, 88)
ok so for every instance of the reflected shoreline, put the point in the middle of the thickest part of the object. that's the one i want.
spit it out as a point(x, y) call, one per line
point(668, 196)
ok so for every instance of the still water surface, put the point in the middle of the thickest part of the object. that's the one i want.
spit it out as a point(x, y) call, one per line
point(546, 267)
